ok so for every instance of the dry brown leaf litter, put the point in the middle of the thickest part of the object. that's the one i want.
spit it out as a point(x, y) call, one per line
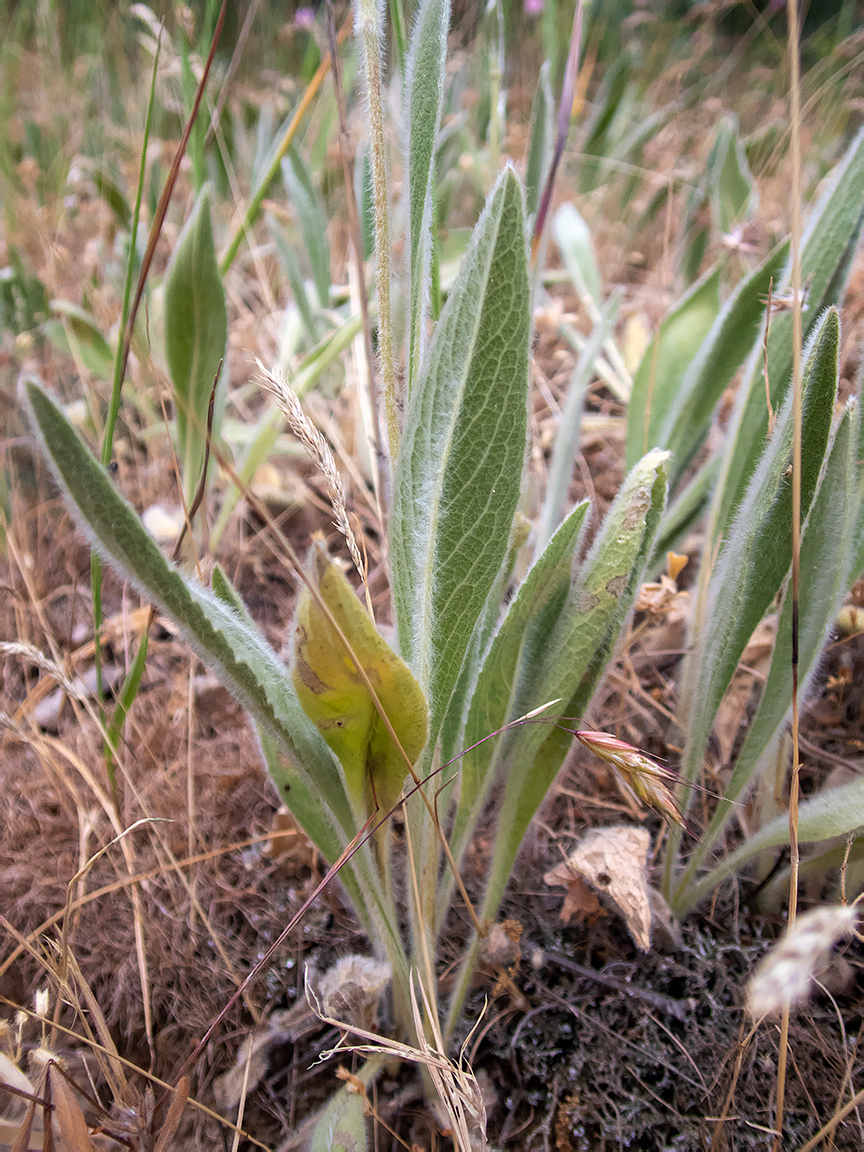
point(613, 861)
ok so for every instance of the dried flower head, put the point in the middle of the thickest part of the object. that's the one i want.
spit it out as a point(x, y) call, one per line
point(643, 777)
point(351, 990)
point(786, 974)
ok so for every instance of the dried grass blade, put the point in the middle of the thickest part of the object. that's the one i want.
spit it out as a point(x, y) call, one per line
point(172, 1119)
point(70, 1119)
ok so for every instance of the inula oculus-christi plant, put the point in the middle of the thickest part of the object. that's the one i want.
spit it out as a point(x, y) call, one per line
point(454, 717)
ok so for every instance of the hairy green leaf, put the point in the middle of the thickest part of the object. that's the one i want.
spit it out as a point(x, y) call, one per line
point(836, 812)
point(573, 237)
point(229, 645)
point(587, 628)
point(76, 333)
point(721, 354)
point(422, 103)
point(825, 564)
point(458, 476)
point(506, 686)
point(758, 551)
point(733, 194)
point(828, 246)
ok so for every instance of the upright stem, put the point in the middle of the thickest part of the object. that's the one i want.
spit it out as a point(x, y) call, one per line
point(368, 28)
point(795, 116)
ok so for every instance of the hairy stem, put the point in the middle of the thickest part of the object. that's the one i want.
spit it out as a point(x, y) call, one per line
point(368, 27)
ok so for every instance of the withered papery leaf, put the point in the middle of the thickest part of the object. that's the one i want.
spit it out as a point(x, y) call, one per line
point(613, 862)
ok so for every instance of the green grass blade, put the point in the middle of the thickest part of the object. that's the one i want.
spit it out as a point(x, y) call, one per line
point(309, 206)
point(458, 477)
point(422, 103)
point(540, 138)
point(287, 258)
point(196, 328)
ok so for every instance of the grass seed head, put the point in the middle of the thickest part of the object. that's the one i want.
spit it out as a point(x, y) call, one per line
point(786, 974)
point(649, 781)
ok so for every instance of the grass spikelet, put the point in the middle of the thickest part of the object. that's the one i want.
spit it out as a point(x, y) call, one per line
point(786, 974)
point(649, 781)
point(319, 451)
point(33, 655)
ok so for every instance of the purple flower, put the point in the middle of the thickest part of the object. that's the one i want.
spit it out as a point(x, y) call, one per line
point(304, 17)
point(534, 7)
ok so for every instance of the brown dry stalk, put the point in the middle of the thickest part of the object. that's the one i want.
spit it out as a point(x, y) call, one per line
point(795, 117)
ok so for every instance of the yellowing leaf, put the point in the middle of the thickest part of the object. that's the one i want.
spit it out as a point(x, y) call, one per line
point(335, 698)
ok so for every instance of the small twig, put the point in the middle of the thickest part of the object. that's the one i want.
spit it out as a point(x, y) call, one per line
point(675, 1008)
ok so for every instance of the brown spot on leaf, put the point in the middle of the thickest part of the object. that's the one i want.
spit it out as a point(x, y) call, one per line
point(615, 587)
point(587, 602)
point(637, 510)
point(309, 677)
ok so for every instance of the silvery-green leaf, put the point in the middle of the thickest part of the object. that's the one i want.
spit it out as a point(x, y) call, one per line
point(834, 812)
point(76, 333)
point(423, 98)
point(573, 237)
point(233, 648)
point(459, 472)
point(733, 194)
point(825, 564)
point(229, 644)
point(506, 686)
point(755, 559)
point(723, 351)
point(196, 328)
point(828, 246)
point(587, 629)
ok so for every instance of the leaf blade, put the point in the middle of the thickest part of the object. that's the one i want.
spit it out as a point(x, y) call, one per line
point(422, 104)
point(196, 329)
point(458, 476)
